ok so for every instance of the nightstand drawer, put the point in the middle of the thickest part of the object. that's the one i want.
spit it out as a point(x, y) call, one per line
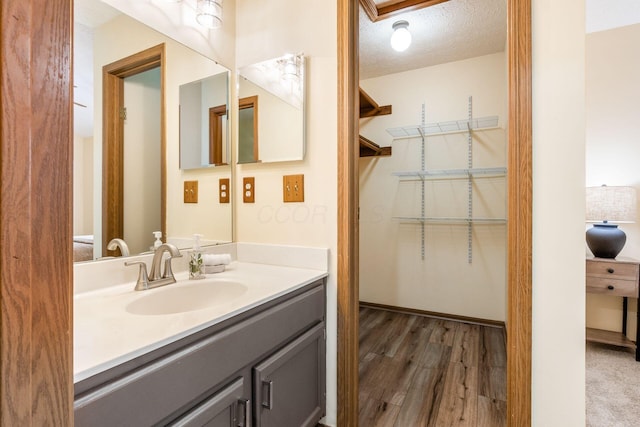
point(610, 286)
point(614, 270)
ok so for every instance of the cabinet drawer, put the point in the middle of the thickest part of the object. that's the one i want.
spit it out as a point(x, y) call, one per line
point(224, 409)
point(610, 286)
point(614, 270)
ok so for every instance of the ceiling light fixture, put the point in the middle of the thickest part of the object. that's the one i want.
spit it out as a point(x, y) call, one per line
point(401, 37)
point(209, 13)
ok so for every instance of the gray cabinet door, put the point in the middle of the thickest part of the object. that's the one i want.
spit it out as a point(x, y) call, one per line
point(289, 386)
point(226, 408)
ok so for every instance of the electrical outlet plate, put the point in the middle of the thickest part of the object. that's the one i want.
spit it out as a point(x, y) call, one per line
point(293, 188)
point(223, 190)
point(191, 191)
point(249, 189)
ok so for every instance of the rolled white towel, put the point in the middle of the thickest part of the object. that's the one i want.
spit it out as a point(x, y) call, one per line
point(216, 259)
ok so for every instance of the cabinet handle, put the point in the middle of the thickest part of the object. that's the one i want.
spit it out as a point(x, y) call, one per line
point(267, 403)
point(246, 422)
point(610, 270)
point(610, 287)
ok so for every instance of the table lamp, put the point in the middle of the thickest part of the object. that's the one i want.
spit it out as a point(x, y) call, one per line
point(606, 204)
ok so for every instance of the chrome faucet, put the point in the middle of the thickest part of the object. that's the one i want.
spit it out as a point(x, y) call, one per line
point(119, 243)
point(156, 277)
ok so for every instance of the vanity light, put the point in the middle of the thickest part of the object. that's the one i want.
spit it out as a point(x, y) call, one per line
point(209, 13)
point(290, 68)
point(401, 37)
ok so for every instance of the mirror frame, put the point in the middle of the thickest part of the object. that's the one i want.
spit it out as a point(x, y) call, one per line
point(519, 200)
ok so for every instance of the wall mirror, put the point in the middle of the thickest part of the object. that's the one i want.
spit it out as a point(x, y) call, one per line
point(271, 116)
point(204, 136)
point(104, 35)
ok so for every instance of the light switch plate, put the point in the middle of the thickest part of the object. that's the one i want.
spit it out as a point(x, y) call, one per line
point(191, 191)
point(248, 189)
point(223, 190)
point(293, 188)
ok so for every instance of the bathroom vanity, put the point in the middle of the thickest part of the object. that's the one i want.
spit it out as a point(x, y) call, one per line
point(258, 360)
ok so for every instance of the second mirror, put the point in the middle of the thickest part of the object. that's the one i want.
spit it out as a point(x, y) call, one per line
point(271, 110)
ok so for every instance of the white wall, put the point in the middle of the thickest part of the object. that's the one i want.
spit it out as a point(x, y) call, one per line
point(391, 267)
point(122, 37)
point(558, 298)
point(267, 30)
point(613, 151)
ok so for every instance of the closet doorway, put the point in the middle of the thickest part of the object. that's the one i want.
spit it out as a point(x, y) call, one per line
point(518, 231)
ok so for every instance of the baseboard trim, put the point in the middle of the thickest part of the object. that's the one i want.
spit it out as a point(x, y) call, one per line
point(435, 315)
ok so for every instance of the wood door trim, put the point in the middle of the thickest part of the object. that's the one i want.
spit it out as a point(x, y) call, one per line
point(392, 8)
point(520, 196)
point(113, 76)
point(215, 134)
point(36, 262)
point(348, 200)
point(519, 226)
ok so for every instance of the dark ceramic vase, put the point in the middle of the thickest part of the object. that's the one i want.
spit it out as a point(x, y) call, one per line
point(605, 240)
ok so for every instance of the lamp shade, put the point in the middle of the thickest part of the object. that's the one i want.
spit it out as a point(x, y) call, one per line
point(615, 204)
point(606, 204)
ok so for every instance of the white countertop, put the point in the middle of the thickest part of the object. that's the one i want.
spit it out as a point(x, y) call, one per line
point(106, 335)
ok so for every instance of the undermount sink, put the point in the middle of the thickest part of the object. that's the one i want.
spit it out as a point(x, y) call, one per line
point(173, 299)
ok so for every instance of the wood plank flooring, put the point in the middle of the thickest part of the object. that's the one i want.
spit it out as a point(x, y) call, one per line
point(421, 371)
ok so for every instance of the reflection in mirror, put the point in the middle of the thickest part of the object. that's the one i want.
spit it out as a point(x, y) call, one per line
point(103, 35)
point(248, 130)
point(203, 122)
point(274, 131)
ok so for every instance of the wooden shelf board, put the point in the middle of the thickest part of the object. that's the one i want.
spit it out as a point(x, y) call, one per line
point(609, 337)
point(369, 148)
point(370, 108)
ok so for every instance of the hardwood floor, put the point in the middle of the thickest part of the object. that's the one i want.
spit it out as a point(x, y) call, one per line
point(421, 371)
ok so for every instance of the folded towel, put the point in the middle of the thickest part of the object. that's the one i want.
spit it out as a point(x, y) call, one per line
point(210, 269)
point(216, 259)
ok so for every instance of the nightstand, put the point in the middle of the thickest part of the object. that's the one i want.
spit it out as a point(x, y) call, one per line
point(618, 277)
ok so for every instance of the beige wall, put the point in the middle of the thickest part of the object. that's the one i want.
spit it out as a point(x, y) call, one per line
point(280, 125)
point(82, 185)
point(267, 30)
point(558, 213)
point(613, 151)
point(142, 160)
point(391, 267)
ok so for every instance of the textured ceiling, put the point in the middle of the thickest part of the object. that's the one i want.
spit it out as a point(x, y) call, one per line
point(450, 31)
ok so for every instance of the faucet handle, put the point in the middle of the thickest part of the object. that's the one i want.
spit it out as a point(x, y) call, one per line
point(143, 278)
point(168, 273)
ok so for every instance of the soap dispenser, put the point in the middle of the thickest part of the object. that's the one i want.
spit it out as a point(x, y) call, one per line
point(158, 242)
point(196, 266)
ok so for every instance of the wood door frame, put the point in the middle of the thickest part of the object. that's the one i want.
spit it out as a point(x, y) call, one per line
point(113, 76)
point(519, 198)
point(215, 134)
point(36, 197)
